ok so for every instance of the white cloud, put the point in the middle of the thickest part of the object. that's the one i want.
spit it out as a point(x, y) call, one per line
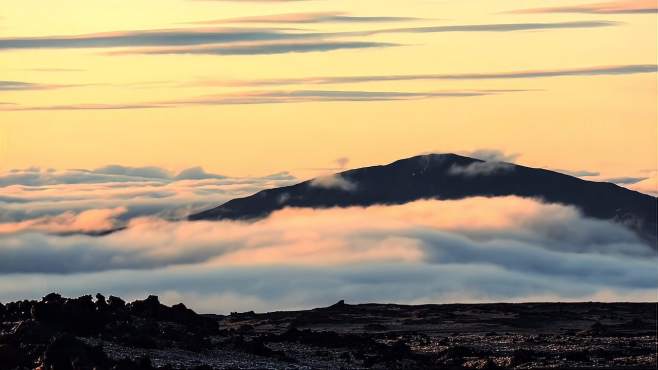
point(334, 182)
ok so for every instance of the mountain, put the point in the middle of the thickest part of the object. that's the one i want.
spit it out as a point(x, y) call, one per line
point(449, 176)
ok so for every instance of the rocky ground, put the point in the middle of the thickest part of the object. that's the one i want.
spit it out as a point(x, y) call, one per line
point(86, 333)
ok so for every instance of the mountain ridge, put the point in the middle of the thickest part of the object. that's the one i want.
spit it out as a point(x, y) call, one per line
point(449, 176)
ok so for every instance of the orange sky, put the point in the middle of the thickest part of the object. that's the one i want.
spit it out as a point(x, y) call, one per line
point(247, 88)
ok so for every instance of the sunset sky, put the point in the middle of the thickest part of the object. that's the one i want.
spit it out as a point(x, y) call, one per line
point(257, 87)
point(119, 119)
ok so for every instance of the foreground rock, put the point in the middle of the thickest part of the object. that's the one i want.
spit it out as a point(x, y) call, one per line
point(107, 333)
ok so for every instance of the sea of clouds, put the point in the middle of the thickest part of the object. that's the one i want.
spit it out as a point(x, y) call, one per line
point(53, 224)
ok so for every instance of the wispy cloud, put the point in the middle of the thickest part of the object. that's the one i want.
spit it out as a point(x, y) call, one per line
point(648, 185)
point(267, 48)
point(20, 86)
point(299, 96)
point(579, 173)
point(278, 97)
point(625, 180)
point(144, 38)
point(316, 17)
point(180, 37)
point(611, 7)
point(530, 74)
point(504, 27)
point(491, 155)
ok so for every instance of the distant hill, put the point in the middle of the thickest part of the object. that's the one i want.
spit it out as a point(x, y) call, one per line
point(449, 176)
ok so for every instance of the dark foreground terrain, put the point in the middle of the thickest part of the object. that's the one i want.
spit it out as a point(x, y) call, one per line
point(87, 333)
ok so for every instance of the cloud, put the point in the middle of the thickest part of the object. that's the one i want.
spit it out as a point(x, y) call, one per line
point(21, 86)
point(334, 182)
point(428, 251)
point(143, 172)
point(33, 197)
point(480, 169)
point(342, 162)
point(299, 96)
point(216, 39)
point(88, 221)
point(503, 27)
point(281, 97)
point(611, 7)
point(322, 80)
point(112, 173)
point(579, 173)
point(647, 186)
point(197, 173)
point(266, 48)
point(155, 38)
point(491, 155)
point(625, 180)
point(492, 161)
point(316, 17)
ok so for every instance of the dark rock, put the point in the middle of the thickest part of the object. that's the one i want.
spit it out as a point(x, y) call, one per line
point(67, 353)
point(116, 303)
point(9, 357)
point(523, 356)
point(596, 330)
point(577, 356)
point(101, 303)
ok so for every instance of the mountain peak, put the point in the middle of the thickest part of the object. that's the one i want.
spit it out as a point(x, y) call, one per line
point(449, 176)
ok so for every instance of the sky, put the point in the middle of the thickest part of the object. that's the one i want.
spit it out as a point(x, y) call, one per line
point(249, 88)
point(132, 115)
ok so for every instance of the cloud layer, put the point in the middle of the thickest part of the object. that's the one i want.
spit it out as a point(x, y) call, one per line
point(48, 200)
point(428, 251)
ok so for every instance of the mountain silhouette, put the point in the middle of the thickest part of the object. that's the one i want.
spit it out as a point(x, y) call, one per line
point(449, 176)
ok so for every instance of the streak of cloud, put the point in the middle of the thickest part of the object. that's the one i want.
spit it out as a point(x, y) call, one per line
point(317, 17)
point(180, 37)
point(24, 86)
point(579, 173)
point(625, 180)
point(503, 27)
point(144, 38)
point(261, 48)
point(531, 74)
point(611, 7)
point(278, 97)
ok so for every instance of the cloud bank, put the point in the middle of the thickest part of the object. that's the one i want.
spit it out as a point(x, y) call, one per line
point(49, 200)
point(428, 251)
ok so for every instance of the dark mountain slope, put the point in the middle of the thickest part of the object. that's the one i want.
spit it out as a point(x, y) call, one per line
point(449, 176)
